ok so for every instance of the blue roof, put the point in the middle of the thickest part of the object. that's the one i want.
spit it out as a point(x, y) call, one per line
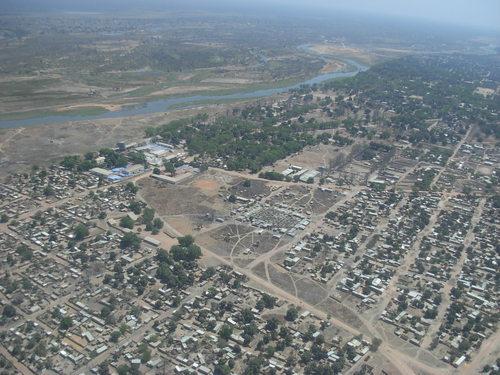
point(114, 177)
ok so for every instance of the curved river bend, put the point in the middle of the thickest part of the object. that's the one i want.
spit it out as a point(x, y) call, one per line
point(167, 104)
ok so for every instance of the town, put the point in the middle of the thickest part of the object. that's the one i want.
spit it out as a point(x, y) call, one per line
point(367, 242)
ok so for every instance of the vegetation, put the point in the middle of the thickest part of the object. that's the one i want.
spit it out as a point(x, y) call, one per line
point(174, 266)
point(80, 232)
point(242, 144)
point(130, 240)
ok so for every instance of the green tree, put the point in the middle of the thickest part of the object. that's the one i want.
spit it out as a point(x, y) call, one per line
point(292, 314)
point(103, 369)
point(158, 223)
point(225, 332)
point(131, 187)
point(122, 369)
point(222, 369)
point(135, 207)
point(65, 323)
point(80, 232)
point(272, 324)
point(169, 167)
point(126, 222)
point(9, 311)
point(130, 240)
point(115, 335)
point(375, 344)
point(24, 252)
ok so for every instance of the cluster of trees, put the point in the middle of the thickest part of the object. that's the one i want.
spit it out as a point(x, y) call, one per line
point(152, 224)
point(78, 163)
point(112, 159)
point(425, 179)
point(244, 144)
point(419, 88)
point(130, 240)
point(24, 252)
point(186, 250)
point(438, 153)
point(9, 311)
point(80, 232)
point(175, 267)
point(271, 175)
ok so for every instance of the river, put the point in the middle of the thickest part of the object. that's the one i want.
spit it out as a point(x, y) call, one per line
point(176, 103)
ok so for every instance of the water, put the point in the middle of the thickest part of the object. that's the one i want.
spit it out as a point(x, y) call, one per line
point(176, 103)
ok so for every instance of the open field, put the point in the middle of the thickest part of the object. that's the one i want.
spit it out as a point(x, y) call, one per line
point(44, 144)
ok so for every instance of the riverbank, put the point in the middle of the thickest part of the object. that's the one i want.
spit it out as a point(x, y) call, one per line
point(96, 111)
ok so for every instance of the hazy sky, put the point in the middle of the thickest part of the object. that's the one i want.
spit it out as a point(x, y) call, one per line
point(484, 13)
point(468, 12)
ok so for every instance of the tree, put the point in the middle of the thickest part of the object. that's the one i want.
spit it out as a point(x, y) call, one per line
point(122, 369)
point(189, 254)
point(126, 222)
point(131, 187)
point(268, 300)
point(130, 240)
point(225, 332)
point(80, 232)
point(222, 369)
point(430, 314)
point(104, 369)
point(247, 316)
point(169, 167)
point(115, 335)
point(105, 311)
point(148, 215)
point(467, 190)
point(375, 344)
point(272, 324)
point(146, 356)
point(65, 323)
point(24, 252)
point(158, 223)
point(254, 366)
point(9, 311)
point(292, 314)
point(464, 345)
point(135, 207)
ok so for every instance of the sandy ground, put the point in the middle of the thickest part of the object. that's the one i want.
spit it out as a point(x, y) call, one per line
point(44, 144)
point(109, 107)
point(312, 157)
point(335, 50)
point(368, 57)
point(207, 186)
point(237, 81)
point(184, 89)
point(332, 66)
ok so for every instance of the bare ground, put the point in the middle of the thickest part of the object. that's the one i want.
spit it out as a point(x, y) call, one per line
point(45, 144)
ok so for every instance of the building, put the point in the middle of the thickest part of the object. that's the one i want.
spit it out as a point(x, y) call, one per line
point(101, 172)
